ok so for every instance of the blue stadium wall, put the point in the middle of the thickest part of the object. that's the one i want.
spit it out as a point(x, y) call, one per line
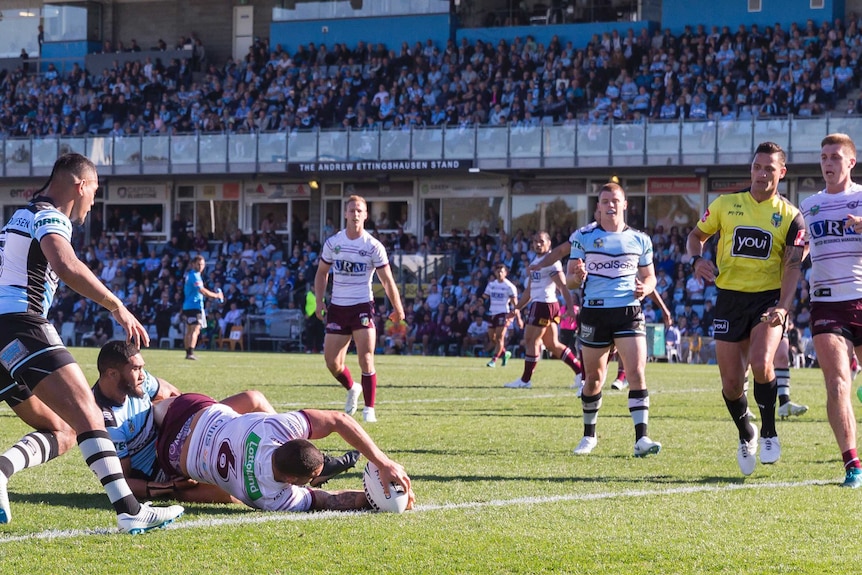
point(677, 13)
point(392, 31)
point(577, 34)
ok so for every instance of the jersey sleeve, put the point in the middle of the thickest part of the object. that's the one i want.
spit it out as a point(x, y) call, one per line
point(577, 252)
point(51, 222)
point(379, 258)
point(284, 427)
point(796, 235)
point(710, 221)
point(326, 254)
point(291, 498)
point(646, 254)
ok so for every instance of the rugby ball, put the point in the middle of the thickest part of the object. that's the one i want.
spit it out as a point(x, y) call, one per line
point(395, 502)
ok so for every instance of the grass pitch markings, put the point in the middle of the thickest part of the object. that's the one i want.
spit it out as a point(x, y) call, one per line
point(258, 518)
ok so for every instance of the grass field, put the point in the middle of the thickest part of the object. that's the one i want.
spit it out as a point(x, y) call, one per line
point(497, 488)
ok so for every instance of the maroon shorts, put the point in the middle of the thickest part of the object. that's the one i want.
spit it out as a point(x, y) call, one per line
point(181, 410)
point(345, 319)
point(842, 318)
point(500, 320)
point(543, 314)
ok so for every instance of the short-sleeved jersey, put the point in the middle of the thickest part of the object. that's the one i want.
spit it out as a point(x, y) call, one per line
point(132, 428)
point(753, 238)
point(353, 264)
point(235, 452)
point(27, 283)
point(542, 286)
point(193, 298)
point(500, 293)
point(836, 267)
point(612, 260)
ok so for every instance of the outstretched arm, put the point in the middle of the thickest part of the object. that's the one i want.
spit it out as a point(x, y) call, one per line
point(348, 500)
point(324, 423)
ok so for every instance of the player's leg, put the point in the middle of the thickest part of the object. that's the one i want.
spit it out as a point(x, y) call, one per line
point(249, 401)
point(496, 345)
point(834, 360)
point(732, 359)
point(193, 330)
point(763, 347)
point(65, 391)
point(532, 353)
point(595, 368)
point(786, 407)
point(364, 340)
point(632, 352)
point(559, 350)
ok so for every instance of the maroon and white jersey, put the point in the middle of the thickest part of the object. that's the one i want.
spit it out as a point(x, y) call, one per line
point(542, 286)
point(353, 264)
point(836, 268)
point(235, 452)
point(500, 293)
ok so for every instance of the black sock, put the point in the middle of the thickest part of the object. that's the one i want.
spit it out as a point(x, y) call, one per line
point(738, 409)
point(764, 395)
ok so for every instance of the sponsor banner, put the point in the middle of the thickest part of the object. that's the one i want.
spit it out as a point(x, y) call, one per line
point(138, 192)
point(664, 186)
point(461, 188)
point(364, 166)
point(725, 185)
point(276, 190)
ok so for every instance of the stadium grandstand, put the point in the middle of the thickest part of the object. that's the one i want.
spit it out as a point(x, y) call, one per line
point(238, 131)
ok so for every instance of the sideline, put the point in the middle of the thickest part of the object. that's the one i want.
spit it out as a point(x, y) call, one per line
point(256, 518)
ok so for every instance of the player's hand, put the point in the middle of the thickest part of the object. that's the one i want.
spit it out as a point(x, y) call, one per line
point(135, 331)
point(570, 313)
point(578, 270)
point(320, 312)
point(640, 289)
point(668, 321)
point(704, 269)
point(397, 315)
point(394, 472)
point(854, 223)
point(774, 316)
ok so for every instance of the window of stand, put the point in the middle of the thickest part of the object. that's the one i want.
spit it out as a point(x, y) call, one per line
point(558, 207)
point(454, 207)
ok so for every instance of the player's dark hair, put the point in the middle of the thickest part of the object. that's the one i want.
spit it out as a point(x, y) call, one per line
point(297, 458)
point(115, 355)
point(73, 164)
point(771, 148)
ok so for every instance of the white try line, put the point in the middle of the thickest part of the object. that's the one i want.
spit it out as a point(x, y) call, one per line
point(252, 518)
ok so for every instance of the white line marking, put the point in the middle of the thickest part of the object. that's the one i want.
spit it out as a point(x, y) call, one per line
point(255, 518)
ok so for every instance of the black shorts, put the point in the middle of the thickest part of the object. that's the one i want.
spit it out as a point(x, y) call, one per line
point(737, 313)
point(30, 350)
point(598, 326)
point(194, 316)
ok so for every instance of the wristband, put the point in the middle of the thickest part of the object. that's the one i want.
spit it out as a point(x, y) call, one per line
point(694, 260)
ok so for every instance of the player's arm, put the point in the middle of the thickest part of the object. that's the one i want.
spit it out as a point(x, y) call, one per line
point(645, 282)
point(524, 300)
point(551, 257)
point(320, 288)
point(75, 274)
point(667, 319)
point(391, 289)
point(702, 268)
point(323, 423)
point(347, 500)
point(560, 282)
point(165, 391)
point(793, 256)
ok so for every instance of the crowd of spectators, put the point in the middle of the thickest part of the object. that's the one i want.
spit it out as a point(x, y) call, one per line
point(699, 74)
point(445, 311)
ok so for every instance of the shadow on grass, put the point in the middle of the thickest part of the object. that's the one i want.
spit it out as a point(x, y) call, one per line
point(94, 500)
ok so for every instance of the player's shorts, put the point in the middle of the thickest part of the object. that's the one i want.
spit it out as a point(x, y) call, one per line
point(842, 318)
point(30, 350)
point(175, 429)
point(738, 312)
point(599, 326)
point(194, 317)
point(500, 320)
point(542, 314)
point(345, 319)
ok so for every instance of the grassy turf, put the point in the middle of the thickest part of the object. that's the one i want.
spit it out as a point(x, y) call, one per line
point(498, 490)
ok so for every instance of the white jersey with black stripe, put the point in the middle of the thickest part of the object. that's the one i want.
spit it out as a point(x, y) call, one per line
point(27, 283)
